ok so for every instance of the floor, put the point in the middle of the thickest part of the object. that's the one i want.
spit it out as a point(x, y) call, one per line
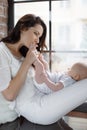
point(77, 123)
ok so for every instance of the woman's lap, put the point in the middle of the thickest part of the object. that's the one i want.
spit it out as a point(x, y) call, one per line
point(47, 109)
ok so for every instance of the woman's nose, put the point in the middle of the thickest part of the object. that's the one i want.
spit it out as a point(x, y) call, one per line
point(37, 40)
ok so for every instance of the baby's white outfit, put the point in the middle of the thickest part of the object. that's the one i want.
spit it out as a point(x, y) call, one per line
point(55, 77)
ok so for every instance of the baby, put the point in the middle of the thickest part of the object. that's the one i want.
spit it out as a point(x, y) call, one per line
point(48, 82)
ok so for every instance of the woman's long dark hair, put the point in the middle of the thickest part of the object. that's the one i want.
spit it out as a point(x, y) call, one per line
point(24, 23)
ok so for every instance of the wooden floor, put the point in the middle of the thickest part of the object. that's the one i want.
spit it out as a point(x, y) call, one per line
point(77, 118)
point(77, 123)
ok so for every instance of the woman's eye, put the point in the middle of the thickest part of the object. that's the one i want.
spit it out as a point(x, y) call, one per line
point(36, 33)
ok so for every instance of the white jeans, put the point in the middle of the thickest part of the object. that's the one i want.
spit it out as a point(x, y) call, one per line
point(47, 109)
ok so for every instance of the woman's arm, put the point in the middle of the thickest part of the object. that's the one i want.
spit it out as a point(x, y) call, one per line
point(17, 82)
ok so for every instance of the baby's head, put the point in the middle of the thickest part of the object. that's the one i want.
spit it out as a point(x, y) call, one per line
point(78, 71)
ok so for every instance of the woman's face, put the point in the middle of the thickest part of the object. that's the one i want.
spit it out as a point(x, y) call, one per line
point(31, 36)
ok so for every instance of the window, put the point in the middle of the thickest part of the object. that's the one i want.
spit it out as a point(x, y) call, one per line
point(66, 25)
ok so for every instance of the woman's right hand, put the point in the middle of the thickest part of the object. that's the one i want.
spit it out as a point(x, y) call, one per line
point(31, 56)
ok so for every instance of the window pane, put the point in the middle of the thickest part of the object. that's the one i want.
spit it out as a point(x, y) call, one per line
point(68, 26)
point(83, 43)
point(62, 61)
point(61, 25)
point(69, 33)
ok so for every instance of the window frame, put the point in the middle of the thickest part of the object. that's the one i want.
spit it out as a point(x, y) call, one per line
point(49, 51)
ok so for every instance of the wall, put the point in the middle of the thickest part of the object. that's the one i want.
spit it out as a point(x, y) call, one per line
point(3, 17)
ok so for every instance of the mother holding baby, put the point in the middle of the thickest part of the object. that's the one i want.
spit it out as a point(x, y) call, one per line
point(16, 77)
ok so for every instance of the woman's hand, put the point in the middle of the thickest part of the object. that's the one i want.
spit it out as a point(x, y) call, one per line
point(31, 56)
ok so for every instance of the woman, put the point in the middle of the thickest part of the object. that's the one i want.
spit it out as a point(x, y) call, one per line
point(30, 30)
point(16, 75)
